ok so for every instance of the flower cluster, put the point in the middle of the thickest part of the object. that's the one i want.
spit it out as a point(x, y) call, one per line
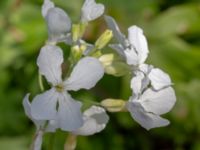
point(56, 109)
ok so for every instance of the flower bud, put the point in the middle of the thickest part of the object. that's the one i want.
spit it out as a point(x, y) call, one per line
point(117, 68)
point(106, 59)
point(76, 53)
point(113, 66)
point(78, 31)
point(114, 105)
point(104, 39)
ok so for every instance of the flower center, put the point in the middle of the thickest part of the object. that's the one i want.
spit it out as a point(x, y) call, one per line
point(59, 88)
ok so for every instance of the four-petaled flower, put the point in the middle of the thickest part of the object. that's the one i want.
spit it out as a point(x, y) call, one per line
point(152, 97)
point(56, 103)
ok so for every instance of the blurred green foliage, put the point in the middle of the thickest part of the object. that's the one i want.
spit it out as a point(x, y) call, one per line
point(173, 32)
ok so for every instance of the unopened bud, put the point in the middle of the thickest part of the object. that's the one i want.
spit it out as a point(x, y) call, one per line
point(117, 68)
point(104, 39)
point(114, 105)
point(75, 32)
point(106, 59)
point(97, 54)
point(78, 31)
point(76, 53)
point(83, 47)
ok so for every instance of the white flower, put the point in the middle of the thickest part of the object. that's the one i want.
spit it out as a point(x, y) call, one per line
point(58, 22)
point(95, 120)
point(152, 97)
point(146, 110)
point(91, 10)
point(134, 48)
point(56, 103)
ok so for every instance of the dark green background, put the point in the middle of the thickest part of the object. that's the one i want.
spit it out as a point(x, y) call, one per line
point(172, 28)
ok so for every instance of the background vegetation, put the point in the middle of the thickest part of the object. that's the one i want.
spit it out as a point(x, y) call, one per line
point(172, 28)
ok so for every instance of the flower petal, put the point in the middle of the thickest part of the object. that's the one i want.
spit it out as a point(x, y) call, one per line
point(87, 72)
point(145, 119)
point(131, 57)
point(158, 102)
point(95, 120)
point(91, 10)
point(146, 69)
point(69, 113)
point(27, 108)
point(119, 49)
point(159, 79)
point(136, 83)
point(49, 62)
point(43, 106)
point(58, 23)
point(138, 40)
point(116, 31)
point(89, 127)
point(46, 6)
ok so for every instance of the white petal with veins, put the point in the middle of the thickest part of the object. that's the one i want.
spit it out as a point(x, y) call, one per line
point(145, 119)
point(69, 113)
point(44, 105)
point(158, 102)
point(49, 62)
point(87, 72)
point(159, 79)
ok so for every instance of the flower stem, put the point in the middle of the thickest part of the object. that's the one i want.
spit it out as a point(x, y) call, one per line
point(41, 85)
point(71, 141)
point(37, 141)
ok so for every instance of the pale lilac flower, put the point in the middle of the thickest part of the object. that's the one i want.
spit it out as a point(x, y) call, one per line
point(56, 103)
point(58, 22)
point(152, 97)
point(134, 48)
point(95, 120)
point(91, 10)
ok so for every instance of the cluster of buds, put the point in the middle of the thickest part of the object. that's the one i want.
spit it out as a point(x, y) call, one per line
point(56, 109)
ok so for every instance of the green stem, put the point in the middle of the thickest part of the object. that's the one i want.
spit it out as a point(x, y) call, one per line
point(51, 141)
point(41, 85)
